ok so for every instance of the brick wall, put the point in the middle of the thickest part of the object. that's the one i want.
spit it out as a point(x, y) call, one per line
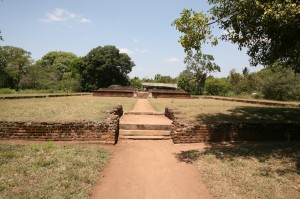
point(114, 93)
point(184, 132)
point(106, 131)
point(160, 93)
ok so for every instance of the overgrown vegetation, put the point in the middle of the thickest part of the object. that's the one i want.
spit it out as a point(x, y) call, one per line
point(61, 109)
point(64, 71)
point(49, 171)
point(212, 111)
point(254, 170)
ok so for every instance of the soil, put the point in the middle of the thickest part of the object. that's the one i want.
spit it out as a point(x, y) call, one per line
point(150, 168)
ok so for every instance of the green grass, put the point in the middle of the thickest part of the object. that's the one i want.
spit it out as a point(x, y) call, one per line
point(256, 170)
point(48, 171)
point(61, 109)
point(214, 111)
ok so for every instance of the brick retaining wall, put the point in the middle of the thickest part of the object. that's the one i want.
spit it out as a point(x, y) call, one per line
point(113, 93)
point(106, 131)
point(184, 132)
point(160, 93)
point(253, 101)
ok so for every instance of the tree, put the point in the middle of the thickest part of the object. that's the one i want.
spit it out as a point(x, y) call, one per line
point(186, 82)
point(158, 78)
point(269, 29)
point(37, 77)
point(13, 64)
point(280, 84)
point(198, 66)
point(136, 82)
point(59, 61)
point(104, 66)
point(217, 86)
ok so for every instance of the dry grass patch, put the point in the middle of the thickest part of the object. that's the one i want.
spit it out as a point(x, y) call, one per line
point(48, 171)
point(259, 170)
point(61, 109)
point(213, 111)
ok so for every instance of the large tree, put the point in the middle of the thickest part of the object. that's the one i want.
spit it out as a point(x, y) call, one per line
point(104, 66)
point(60, 61)
point(198, 67)
point(269, 29)
point(13, 64)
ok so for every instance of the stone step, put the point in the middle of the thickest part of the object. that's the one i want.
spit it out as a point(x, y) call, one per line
point(143, 113)
point(145, 137)
point(144, 133)
point(145, 126)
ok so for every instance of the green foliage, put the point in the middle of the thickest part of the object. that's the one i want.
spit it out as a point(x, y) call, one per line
point(217, 86)
point(281, 84)
point(58, 60)
point(53, 71)
point(104, 66)
point(136, 82)
point(193, 78)
point(158, 78)
point(269, 29)
point(195, 30)
point(7, 91)
point(13, 64)
point(37, 77)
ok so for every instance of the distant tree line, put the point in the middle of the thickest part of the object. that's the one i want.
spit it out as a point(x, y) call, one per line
point(57, 70)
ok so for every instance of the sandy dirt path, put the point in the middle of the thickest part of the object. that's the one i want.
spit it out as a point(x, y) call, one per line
point(143, 105)
point(145, 169)
point(142, 169)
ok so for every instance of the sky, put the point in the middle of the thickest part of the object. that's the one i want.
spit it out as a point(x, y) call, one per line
point(140, 28)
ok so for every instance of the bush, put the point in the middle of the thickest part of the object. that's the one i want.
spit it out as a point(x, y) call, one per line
point(216, 86)
point(7, 91)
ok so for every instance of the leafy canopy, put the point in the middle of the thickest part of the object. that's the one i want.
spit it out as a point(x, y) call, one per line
point(104, 66)
point(269, 29)
point(13, 64)
point(198, 66)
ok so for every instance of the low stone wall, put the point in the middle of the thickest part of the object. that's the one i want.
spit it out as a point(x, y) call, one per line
point(184, 132)
point(106, 131)
point(159, 93)
point(43, 96)
point(253, 101)
point(114, 93)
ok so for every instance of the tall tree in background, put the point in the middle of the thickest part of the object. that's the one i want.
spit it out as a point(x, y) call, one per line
point(13, 64)
point(54, 71)
point(198, 66)
point(60, 61)
point(104, 66)
point(269, 29)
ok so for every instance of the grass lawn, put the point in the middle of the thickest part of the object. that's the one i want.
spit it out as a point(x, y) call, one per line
point(61, 109)
point(48, 171)
point(213, 111)
point(256, 170)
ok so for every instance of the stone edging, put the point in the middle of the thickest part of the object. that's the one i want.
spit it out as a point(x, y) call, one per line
point(184, 132)
point(42, 96)
point(106, 131)
point(271, 103)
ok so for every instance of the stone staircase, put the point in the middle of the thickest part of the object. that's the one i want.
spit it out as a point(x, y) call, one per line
point(145, 126)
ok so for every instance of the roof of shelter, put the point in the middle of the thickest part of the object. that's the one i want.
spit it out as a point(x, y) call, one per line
point(147, 84)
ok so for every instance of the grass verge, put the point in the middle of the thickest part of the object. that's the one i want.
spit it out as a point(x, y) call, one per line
point(61, 109)
point(259, 170)
point(48, 171)
point(213, 111)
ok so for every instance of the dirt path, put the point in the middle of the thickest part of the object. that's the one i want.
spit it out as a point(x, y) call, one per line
point(149, 169)
point(142, 105)
point(142, 169)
